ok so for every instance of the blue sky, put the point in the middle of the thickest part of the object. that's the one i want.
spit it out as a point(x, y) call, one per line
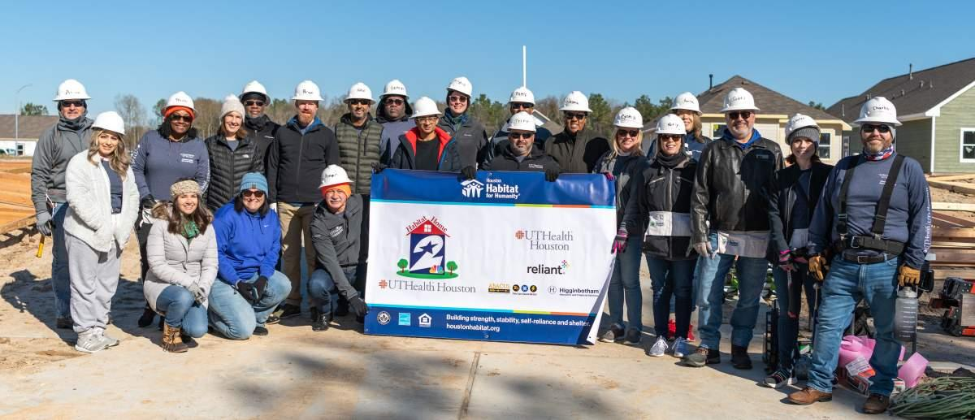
point(820, 51)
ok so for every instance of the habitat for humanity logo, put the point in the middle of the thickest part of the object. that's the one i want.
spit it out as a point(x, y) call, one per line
point(472, 188)
point(428, 252)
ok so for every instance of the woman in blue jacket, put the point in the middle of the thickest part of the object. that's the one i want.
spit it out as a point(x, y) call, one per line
point(248, 288)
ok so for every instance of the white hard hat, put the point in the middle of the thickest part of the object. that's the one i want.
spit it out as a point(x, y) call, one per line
point(307, 91)
point(878, 110)
point(462, 85)
point(628, 117)
point(522, 121)
point(575, 101)
point(522, 95)
point(360, 91)
point(180, 99)
point(395, 87)
point(254, 87)
point(799, 121)
point(111, 121)
point(71, 89)
point(670, 124)
point(424, 107)
point(334, 175)
point(687, 101)
point(739, 99)
point(231, 104)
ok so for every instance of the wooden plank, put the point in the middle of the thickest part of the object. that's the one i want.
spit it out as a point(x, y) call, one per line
point(954, 186)
point(19, 224)
point(945, 220)
point(951, 177)
point(952, 256)
point(949, 234)
point(953, 206)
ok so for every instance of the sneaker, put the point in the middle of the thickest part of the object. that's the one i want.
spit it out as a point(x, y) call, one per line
point(272, 319)
point(739, 358)
point(64, 323)
point(615, 333)
point(90, 342)
point(633, 336)
point(290, 311)
point(109, 340)
point(779, 379)
point(659, 348)
point(260, 331)
point(679, 348)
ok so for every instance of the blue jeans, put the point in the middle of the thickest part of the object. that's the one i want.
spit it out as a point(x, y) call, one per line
point(235, 317)
point(626, 283)
point(321, 289)
point(845, 285)
point(181, 311)
point(788, 328)
point(710, 296)
point(60, 279)
point(672, 279)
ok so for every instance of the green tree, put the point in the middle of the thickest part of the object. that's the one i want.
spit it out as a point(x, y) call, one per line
point(31, 108)
point(491, 114)
point(451, 266)
point(601, 117)
point(817, 105)
point(402, 263)
point(646, 107)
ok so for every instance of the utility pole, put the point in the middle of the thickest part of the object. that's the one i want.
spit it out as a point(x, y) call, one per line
point(524, 66)
point(17, 113)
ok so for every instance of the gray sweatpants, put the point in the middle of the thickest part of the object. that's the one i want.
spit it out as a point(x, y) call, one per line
point(94, 278)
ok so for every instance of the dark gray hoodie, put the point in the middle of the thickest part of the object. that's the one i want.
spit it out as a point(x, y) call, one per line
point(56, 146)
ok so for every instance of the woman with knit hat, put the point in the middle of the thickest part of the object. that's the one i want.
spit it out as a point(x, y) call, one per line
point(233, 152)
point(103, 203)
point(336, 230)
point(248, 288)
point(163, 156)
point(182, 253)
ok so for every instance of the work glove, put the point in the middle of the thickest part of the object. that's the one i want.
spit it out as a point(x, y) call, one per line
point(704, 249)
point(785, 261)
point(619, 244)
point(551, 174)
point(248, 291)
point(377, 167)
point(908, 276)
point(818, 267)
point(199, 295)
point(44, 223)
point(260, 286)
point(359, 306)
point(148, 202)
point(469, 172)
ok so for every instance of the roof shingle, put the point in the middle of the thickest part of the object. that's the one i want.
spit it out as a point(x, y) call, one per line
point(31, 126)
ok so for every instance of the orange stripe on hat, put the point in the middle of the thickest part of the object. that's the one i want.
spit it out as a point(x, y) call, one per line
point(341, 187)
point(173, 109)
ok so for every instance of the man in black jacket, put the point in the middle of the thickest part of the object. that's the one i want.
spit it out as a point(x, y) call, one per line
point(577, 149)
point(256, 100)
point(302, 149)
point(520, 153)
point(730, 225)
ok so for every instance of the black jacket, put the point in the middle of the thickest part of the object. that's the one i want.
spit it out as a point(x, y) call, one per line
point(662, 190)
point(782, 198)
point(263, 130)
point(227, 167)
point(297, 160)
point(622, 168)
point(536, 161)
point(359, 150)
point(730, 191)
point(471, 138)
point(578, 153)
point(336, 238)
point(405, 153)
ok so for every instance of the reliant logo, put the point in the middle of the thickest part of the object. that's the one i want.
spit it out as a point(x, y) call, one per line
point(559, 270)
point(428, 252)
point(472, 188)
point(546, 240)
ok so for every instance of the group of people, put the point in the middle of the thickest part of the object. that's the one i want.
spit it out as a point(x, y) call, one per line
point(214, 216)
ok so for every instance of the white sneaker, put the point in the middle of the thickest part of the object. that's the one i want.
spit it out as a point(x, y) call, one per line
point(679, 348)
point(90, 342)
point(659, 348)
point(109, 340)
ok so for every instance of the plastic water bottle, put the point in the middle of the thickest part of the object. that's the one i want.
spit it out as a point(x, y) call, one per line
point(905, 315)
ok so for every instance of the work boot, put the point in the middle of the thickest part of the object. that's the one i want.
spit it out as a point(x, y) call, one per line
point(290, 311)
point(261, 331)
point(64, 323)
point(148, 315)
point(615, 333)
point(171, 341)
point(876, 404)
point(319, 320)
point(702, 356)
point(739, 358)
point(808, 396)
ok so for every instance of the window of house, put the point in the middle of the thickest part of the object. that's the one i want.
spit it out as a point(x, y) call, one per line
point(968, 144)
point(718, 130)
point(825, 141)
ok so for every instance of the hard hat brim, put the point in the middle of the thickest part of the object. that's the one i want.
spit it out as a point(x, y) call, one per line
point(862, 121)
point(739, 108)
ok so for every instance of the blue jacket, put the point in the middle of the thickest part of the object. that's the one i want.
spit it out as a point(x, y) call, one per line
point(158, 162)
point(247, 243)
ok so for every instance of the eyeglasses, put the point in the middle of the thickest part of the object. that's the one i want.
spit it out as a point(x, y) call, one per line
point(669, 137)
point(521, 105)
point(516, 136)
point(249, 194)
point(429, 118)
point(254, 103)
point(744, 115)
point(574, 116)
point(394, 101)
point(359, 102)
point(68, 104)
point(457, 98)
point(868, 128)
point(181, 117)
point(624, 133)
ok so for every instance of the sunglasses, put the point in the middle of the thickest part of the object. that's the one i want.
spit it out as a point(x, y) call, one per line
point(574, 116)
point(359, 102)
point(254, 103)
point(669, 137)
point(68, 104)
point(394, 101)
point(249, 194)
point(624, 133)
point(180, 117)
point(743, 114)
point(868, 128)
point(521, 105)
point(457, 98)
point(516, 136)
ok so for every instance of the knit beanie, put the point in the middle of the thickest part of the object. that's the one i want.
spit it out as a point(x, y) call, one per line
point(811, 133)
point(341, 187)
point(253, 180)
point(186, 186)
point(169, 111)
point(231, 104)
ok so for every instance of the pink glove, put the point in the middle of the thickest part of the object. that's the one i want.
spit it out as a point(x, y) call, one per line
point(619, 244)
point(785, 261)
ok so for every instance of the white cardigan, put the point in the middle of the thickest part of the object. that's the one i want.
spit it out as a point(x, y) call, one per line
point(89, 216)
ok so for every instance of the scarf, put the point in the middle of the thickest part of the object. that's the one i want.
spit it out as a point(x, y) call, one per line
point(881, 155)
point(670, 162)
point(75, 124)
point(190, 230)
point(257, 124)
point(457, 121)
